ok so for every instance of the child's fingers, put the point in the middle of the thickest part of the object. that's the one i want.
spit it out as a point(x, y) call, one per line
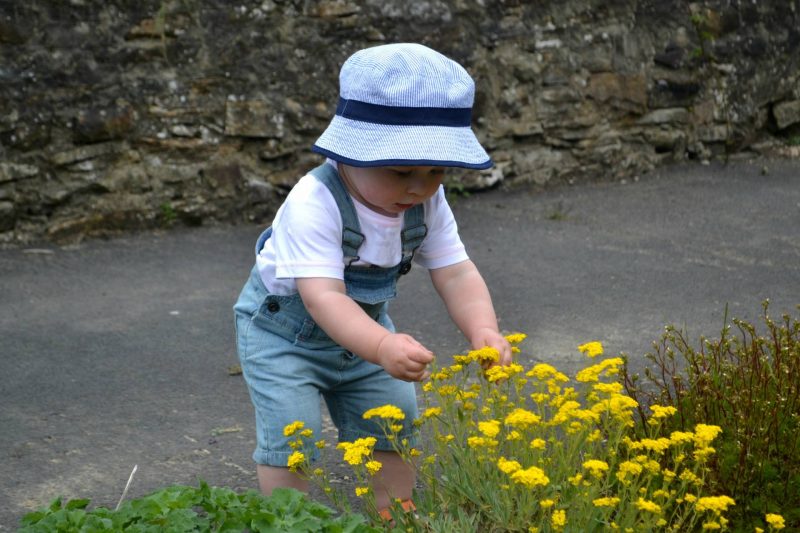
point(422, 356)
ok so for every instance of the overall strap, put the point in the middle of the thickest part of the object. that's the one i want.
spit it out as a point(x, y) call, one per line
point(414, 231)
point(351, 232)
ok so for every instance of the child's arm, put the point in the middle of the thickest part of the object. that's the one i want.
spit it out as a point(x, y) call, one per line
point(347, 324)
point(467, 298)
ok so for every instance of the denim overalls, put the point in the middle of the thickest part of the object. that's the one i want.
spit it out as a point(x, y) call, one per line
point(288, 361)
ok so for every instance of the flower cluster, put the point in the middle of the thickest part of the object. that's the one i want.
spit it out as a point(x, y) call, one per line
point(533, 450)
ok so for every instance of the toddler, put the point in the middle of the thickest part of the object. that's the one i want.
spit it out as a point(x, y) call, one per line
point(312, 318)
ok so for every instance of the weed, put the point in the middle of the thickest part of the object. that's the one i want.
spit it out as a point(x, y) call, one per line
point(748, 384)
point(203, 508)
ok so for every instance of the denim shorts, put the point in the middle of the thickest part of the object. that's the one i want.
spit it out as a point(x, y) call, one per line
point(288, 362)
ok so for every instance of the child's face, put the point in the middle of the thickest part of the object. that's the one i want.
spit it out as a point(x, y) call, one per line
point(392, 190)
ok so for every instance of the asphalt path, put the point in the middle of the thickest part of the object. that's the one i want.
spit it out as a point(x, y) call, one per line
point(115, 353)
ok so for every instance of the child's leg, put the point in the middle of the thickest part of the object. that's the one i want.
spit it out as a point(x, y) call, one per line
point(274, 477)
point(395, 480)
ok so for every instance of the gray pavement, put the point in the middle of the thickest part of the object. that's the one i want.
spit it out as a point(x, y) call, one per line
point(116, 353)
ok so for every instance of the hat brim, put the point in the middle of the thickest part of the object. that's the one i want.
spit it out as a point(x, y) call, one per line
point(367, 144)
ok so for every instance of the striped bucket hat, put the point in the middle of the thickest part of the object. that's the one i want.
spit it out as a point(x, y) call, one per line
point(403, 104)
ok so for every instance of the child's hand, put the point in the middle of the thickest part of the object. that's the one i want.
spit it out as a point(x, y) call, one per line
point(403, 357)
point(493, 338)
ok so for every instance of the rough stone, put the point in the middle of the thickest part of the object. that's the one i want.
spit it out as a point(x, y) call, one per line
point(90, 151)
point(253, 118)
point(787, 113)
point(103, 124)
point(677, 115)
point(7, 218)
point(16, 172)
point(538, 165)
point(625, 91)
point(211, 107)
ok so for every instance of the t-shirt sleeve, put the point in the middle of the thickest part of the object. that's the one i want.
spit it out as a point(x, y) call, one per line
point(308, 234)
point(442, 245)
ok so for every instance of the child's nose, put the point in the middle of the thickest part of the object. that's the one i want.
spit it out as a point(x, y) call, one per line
point(418, 185)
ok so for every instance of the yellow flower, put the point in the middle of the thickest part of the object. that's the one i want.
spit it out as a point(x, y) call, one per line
point(355, 452)
point(386, 412)
point(543, 371)
point(508, 467)
point(701, 454)
point(439, 376)
point(514, 435)
point(487, 354)
point(654, 445)
point(292, 428)
point(538, 444)
point(496, 373)
point(608, 367)
point(533, 529)
point(521, 418)
point(490, 428)
point(361, 491)
point(320, 444)
point(591, 349)
point(559, 519)
point(530, 477)
point(704, 434)
point(679, 437)
point(606, 502)
point(516, 338)
point(627, 468)
point(446, 438)
point(481, 442)
point(775, 521)
point(647, 505)
point(717, 504)
point(596, 467)
point(295, 460)
point(373, 467)
point(661, 411)
point(690, 477)
point(711, 525)
point(576, 479)
point(608, 388)
point(447, 390)
point(540, 397)
point(307, 433)
point(546, 504)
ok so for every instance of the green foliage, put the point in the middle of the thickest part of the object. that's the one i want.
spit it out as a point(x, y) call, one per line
point(204, 508)
point(454, 188)
point(749, 384)
point(168, 214)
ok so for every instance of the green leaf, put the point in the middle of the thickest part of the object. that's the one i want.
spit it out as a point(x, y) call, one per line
point(77, 504)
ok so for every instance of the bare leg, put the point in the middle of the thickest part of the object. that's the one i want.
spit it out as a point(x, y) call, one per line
point(395, 479)
point(273, 477)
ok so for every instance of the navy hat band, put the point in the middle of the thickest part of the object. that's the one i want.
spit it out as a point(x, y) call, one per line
point(457, 117)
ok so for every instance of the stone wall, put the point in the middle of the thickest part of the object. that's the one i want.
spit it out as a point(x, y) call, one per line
point(120, 115)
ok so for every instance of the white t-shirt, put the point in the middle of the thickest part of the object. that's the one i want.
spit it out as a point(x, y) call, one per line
point(306, 240)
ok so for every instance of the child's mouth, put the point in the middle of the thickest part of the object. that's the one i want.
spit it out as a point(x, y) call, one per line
point(404, 206)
